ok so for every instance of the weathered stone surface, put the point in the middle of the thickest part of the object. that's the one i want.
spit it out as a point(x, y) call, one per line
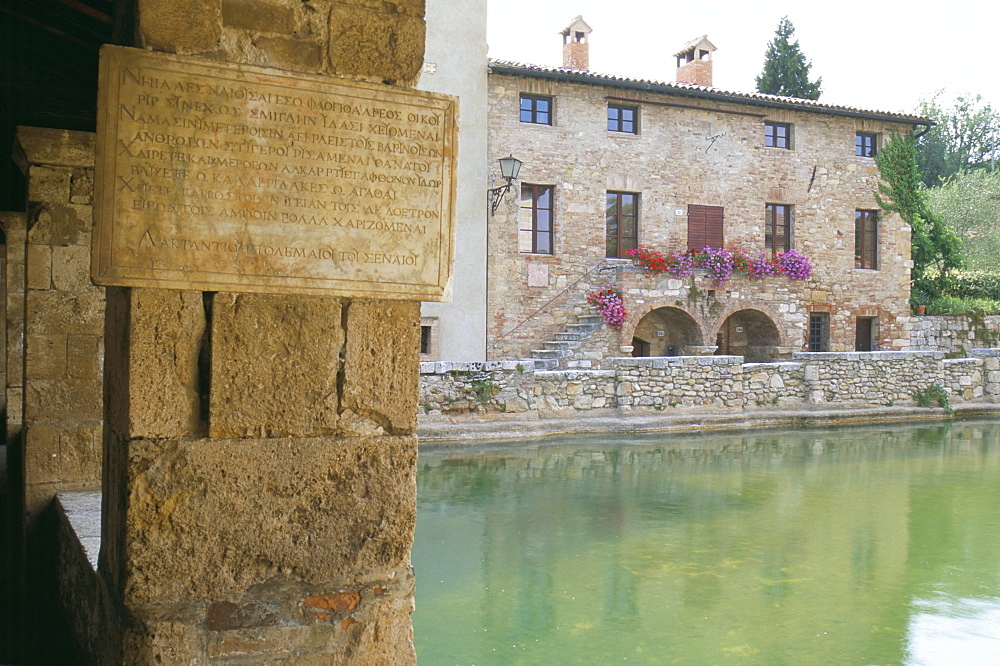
point(302, 186)
point(275, 363)
point(197, 512)
point(381, 362)
point(182, 26)
point(41, 145)
point(60, 224)
point(259, 16)
point(39, 267)
point(291, 53)
point(373, 43)
point(157, 336)
point(64, 312)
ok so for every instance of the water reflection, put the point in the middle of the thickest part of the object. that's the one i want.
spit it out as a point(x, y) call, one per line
point(833, 546)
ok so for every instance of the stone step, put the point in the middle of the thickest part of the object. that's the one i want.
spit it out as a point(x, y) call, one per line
point(545, 363)
point(549, 353)
point(583, 328)
point(562, 344)
point(591, 319)
point(570, 336)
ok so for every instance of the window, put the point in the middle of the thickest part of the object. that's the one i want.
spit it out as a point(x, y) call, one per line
point(622, 223)
point(623, 118)
point(866, 239)
point(428, 338)
point(778, 135)
point(535, 225)
point(705, 226)
point(865, 144)
point(536, 109)
point(777, 228)
point(866, 334)
point(819, 331)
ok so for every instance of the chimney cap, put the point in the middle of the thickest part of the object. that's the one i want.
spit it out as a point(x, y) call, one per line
point(576, 25)
point(696, 43)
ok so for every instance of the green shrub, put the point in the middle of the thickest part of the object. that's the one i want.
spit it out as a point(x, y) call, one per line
point(934, 393)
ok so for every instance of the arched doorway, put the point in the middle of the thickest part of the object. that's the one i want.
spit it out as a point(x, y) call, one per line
point(665, 332)
point(750, 334)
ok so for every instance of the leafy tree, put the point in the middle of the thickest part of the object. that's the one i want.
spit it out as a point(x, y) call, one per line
point(970, 204)
point(935, 248)
point(966, 136)
point(786, 71)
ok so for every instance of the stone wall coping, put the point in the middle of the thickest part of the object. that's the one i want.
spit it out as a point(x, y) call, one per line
point(572, 375)
point(992, 351)
point(82, 509)
point(872, 356)
point(55, 147)
point(443, 367)
point(669, 361)
point(782, 365)
point(962, 361)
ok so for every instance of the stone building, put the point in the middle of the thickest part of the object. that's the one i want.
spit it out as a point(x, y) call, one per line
point(612, 163)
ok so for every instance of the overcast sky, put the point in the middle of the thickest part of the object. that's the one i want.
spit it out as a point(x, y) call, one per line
point(873, 54)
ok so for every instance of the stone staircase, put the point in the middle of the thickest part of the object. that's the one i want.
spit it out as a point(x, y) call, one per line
point(559, 352)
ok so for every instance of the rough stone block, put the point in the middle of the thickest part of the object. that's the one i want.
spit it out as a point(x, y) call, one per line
point(154, 367)
point(39, 267)
point(85, 357)
point(373, 44)
point(291, 53)
point(68, 399)
point(211, 518)
point(60, 224)
point(381, 360)
point(39, 145)
point(46, 356)
point(259, 16)
point(71, 268)
point(41, 455)
point(80, 454)
point(275, 364)
point(64, 312)
point(81, 186)
point(49, 184)
point(182, 26)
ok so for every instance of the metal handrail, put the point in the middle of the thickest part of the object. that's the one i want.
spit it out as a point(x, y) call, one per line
point(602, 265)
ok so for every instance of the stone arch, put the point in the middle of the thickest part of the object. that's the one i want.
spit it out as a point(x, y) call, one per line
point(751, 334)
point(666, 331)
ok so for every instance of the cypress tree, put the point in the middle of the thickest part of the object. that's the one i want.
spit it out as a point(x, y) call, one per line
point(786, 71)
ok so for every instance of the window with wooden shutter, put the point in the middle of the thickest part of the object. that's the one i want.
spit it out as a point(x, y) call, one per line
point(866, 239)
point(621, 223)
point(705, 226)
point(777, 228)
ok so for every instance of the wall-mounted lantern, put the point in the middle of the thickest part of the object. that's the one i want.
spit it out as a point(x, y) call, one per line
point(509, 168)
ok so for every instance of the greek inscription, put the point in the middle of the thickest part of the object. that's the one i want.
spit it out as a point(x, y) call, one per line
point(327, 182)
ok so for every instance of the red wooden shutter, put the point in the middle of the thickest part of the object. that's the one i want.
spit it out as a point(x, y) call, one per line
point(705, 226)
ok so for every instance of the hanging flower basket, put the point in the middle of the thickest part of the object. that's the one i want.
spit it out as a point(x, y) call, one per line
point(609, 304)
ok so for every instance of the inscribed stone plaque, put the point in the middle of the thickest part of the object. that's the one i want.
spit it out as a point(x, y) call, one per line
point(220, 177)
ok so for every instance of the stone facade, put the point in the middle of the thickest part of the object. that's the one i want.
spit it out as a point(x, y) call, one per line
point(693, 147)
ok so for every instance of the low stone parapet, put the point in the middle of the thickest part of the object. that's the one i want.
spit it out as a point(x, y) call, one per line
point(709, 384)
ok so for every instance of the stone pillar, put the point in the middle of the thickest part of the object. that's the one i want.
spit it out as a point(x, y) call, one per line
point(63, 319)
point(260, 489)
point(260, 456)
point(13, 291)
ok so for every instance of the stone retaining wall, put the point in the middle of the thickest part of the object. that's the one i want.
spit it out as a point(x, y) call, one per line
point(953, 335)
point(708, 383)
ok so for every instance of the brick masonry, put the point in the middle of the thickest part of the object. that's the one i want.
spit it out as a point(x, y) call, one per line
point(711, 154)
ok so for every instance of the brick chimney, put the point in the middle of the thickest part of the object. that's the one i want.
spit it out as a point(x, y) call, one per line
point(694, 62)
point(575, 44)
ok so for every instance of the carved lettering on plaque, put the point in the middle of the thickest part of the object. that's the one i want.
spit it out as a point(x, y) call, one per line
point(214, 176)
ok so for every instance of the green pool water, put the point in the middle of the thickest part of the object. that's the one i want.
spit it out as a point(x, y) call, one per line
point(835, 546)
